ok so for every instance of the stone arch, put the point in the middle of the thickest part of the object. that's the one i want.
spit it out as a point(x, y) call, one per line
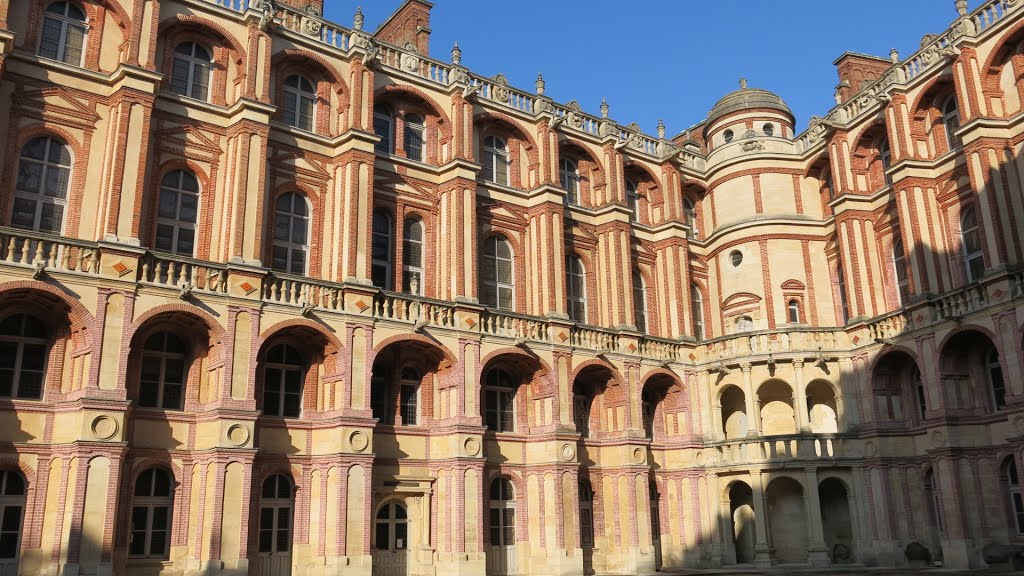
point(168, 26)
point(661, 392)
point(823, 406)
point(742, 519)
point(732, 406)
point(217, 332)
point(332, 339)
point(402, 364)
point(787, 519)
point(970, 380)
point(777, 407)
point(837, 525)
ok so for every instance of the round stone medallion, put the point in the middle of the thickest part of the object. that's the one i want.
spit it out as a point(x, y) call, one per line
point(568, 452)
point(639, 455)
point(358, 440)
point(104, 427)
point(870, 450)
point(938, 439)
point(237, 434)
point(472, 446)
point(700, 459)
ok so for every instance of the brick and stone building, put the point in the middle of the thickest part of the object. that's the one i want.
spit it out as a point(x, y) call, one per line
point(279, 296)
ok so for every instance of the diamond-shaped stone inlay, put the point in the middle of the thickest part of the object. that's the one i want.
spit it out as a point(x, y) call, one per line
point(247, 288)
point(692, 358)
point(361, 305)
point(856, 339)
point(563, 336)
point(998, 293)
point(632, 347)
point(470, 322)
point(121, 269)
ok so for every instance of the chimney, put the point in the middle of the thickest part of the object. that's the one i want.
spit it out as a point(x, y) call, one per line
point(857, 69)
point(313, 6)
point(410, 24)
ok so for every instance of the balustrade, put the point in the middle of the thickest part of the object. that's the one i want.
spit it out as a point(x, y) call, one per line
point(748, 343)
point(388, 306)
point(183, 273)
point(769, 449)
point(594, 339)
point(43, 251)
point(495, 323)
point(299, 291)
point(960, 302)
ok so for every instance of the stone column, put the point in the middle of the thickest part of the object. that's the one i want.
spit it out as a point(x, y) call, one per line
point(817, 550)
point(762, 550)
point(753, 417)
point(802, 420)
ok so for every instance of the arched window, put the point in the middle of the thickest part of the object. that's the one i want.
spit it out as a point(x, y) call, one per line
point(164, 370)
point(970, 237)
point(63, 36)
point(152, 503)
point(193, 66)
point(899, 264)
point(291, 233)
point(382, 250)
point(503, 513)
point(1012, 483)
point(581, 402)
point(569, 178)
point(283, 373)
point(499, 401)
point(793, 307)
point(41, 190)
point(177, 213)
point(24, 344)
point(392, 527)
point(697, 307)
point(996, 385)
point(744, 323)
point(414, 137)
point(275, 523)
point(769, 130)
point(934, 503)
point(951, 120)
point(383, 122)
point(632, 200)
point(919, 392)
point(885, 155)
point(576, 288)
point(690, 217)
point(586, 515)
point(12, 512)
point(299, 102)
point(495, 159)
point(409, 397)
point(639, 302)
point(496, 276)
point(412, 257)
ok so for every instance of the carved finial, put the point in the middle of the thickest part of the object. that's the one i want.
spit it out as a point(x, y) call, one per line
point(357, 20)
point(743, 83)
point(838, 97)
point(961, 7)
point(540, 84)
point(894, 56)
point(456, 54)
point(604, 107)
point(661, 129)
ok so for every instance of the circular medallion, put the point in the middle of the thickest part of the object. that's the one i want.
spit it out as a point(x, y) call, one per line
point(568, 452)
point(358, 440)
point(104, 427)
point(639, 455)
point(699, 458)
point(237, 434)
point(870, 450)
point(472, 446)
point(938, 439)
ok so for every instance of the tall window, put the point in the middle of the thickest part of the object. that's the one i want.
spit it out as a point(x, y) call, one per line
point(918, 383)
point(639, 302)
point(885, 154)
point(576, 288)
point(844, 302)
point(382, 250)
point(409, 397)
point(299, 102)
point(951, 120)
point(164, 362)
point(793, 307)
point(581, 411)
point(291, 233)
point(690, 217)
point(632, 200)
point(697, 308)
point(931, 494)
point(152, 503)
point(503, 513)
point(276, 516)
point(414, 136)
point(899, 264)
point(392, 527)
point(412, 257)
point(383, 120)
point(282, 382)
point(63, 36)
point(379, 397)
point(569, 177)
point(12, 508)
point(177, 213)
point(193, 66)
point(495, 159)
point(41, 189)
point(24, 343)
point(648, 406)
point(586, 515)
point(1012, 482)
point(970, 236)
point(499, 401)
point(996, 385)
point(496, 274)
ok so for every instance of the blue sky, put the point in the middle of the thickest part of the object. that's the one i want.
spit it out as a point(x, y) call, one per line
point(669, 59)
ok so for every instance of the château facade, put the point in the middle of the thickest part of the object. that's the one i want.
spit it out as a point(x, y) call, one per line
point(279, 296)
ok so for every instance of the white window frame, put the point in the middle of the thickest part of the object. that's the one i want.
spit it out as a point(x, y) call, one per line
point(163, 356)
point(386, 144)
point(951, 121)
point(639, 302)
point(793, 310)
point(505, 505)
point(280, 387)
point(973, 230)
point(418, 129)
point(65, 22)
point(569, 179)
point(277, 504)
point(494, 286)
point(690, 217)
point(412, 269)
point(290, 245)
point(885, 155)
point(150, 503)
point(392, 521)
point(405, 383)
point(899, 264)
point(294, 98)
point(504, 395)
point(194, 64)
point(576, 288)
point(40, 198)
point(633, 200)
point(697, 310)
point(10, 501)
point(386, 262)
point(496, 156)
point(21, 340)
point(177, 224)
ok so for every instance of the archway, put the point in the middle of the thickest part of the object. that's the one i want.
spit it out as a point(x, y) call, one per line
point(405, 373)
point(588, 388)
point(741, 511)
point(787, 520)
point(822, 408)
point(898, 389)
point(835, 519)
point(972, 377)
point(734, 412)
point(777, 414)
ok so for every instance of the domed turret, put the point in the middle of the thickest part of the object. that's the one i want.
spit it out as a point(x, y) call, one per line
point(745, 106)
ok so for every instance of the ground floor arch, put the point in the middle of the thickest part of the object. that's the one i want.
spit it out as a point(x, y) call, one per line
point(787, 520)
point(836, 521)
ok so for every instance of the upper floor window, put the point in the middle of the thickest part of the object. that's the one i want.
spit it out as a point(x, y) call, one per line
point(769, 130)
point(383, 121)
point(581, 404)
point(495, 159)
point(12, 507)
point(885, 155)
point(996, 384)
point(193, 66)
point(176, 215)
point(899, 264)
point(632, 199)
point(152, 503)
point(934, 501)
point(697, 308)
point(951, 120)
point(164, 370)
point(569, 178)
point(639, 302)
point(412, 257)
point(586, 499)
point(63, 36)
point(576, 288)
point(291, 233)
point(793, 308)
point(498, 285)
point(409, 397)
point(744, 323)
point(282, 382)
point(382, 250)
point(41, 189)
point(24, 344)
point(844, 301)
point(970, 237)
point(415, 131)
point(728, 136)
point(690, 217)
point(299, 102)
point(499, 401)
point(1012, 483)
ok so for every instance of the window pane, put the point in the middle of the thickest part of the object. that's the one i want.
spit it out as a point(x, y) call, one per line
point(158, 543)
point(51, 218)
point(200, 82)
point(382, 536)
point(179, 77)
point(73, 45)
point(24, 214)
point(30, 176)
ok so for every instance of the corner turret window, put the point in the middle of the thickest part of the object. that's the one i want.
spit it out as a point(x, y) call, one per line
point(899, 264)
point(639, 302)
point(63, 36)
point(576, 288)
point(769, 130)
point(697, 310)
point(970, 238)
point(885, 154)
point(728, 135)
